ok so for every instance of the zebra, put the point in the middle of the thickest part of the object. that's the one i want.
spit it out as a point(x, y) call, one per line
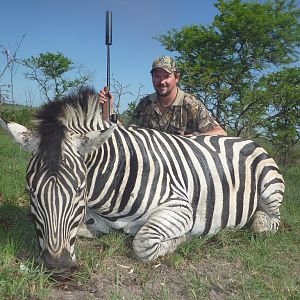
point(90, 177)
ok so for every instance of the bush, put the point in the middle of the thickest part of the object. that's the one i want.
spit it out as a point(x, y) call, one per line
point(22, 115)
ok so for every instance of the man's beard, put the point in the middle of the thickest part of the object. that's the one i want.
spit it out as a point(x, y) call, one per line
point(164, 94)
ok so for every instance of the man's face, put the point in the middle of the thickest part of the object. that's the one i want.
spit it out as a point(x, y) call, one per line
point(163, 82)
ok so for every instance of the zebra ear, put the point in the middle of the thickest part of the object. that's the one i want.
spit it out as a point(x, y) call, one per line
point(21, 135)
point(92, 140)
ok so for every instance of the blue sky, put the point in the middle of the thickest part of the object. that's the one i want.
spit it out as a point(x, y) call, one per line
point(77, 29)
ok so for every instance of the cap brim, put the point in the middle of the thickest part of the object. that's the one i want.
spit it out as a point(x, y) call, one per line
point(167, 70)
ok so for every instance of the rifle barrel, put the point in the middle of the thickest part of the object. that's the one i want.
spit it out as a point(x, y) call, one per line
point(108, 41)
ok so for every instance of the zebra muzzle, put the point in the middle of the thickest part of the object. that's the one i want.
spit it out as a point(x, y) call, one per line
point(59, 264)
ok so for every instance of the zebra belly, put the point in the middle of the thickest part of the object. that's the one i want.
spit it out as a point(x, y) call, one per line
point(225, 212)
point(228, 192)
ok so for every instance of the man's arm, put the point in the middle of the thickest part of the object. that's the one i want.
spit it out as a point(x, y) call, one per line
point(218, 130)
point(205, 124)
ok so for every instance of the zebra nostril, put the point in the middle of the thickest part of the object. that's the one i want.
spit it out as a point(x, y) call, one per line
point(73, 267)
point(62, 262)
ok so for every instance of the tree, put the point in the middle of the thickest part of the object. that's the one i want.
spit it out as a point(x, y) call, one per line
point(279, 91)
point(118, 90)
point(127, 117)
point(49, 71)
point(223, 62)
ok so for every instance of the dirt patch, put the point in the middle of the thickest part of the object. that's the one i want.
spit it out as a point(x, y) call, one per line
point(124, 277)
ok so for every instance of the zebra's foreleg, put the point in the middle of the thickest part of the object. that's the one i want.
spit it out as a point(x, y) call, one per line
point(166, 228)
point(94, 225)
point(83, 231)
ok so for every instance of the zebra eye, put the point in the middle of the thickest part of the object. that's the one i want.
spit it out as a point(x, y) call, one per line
point(29, 189)
point(79, 190)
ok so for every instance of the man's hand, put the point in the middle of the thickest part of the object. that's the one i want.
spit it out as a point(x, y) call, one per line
point(103, 97)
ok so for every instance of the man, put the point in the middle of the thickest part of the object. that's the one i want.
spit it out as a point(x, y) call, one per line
point(170, 109)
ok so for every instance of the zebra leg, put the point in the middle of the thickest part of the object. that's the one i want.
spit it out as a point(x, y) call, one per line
point(166, 228)
point(267, 217)
point(83, 231)
point(93, 225)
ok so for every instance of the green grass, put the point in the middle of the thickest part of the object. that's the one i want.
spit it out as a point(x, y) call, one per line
point(13, 162)
point(230, 265)
point(19, 276)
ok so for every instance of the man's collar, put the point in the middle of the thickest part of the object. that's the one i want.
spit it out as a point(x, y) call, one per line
point(177, 102)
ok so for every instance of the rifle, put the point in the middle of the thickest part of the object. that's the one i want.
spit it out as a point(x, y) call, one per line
point(108, 42)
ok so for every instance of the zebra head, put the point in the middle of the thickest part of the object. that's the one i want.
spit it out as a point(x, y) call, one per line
point(57, 200)
point(68, 129)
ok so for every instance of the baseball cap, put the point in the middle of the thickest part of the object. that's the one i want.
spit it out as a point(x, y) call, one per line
point(165, 62)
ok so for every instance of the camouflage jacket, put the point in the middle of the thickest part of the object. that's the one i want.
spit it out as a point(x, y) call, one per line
point(186, 115)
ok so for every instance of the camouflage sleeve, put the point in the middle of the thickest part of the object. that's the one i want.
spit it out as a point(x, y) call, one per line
point(201, 119)
point(139, 112)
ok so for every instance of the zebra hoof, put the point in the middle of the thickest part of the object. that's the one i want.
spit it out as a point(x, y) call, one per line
point(84, 232)
point(261, 223)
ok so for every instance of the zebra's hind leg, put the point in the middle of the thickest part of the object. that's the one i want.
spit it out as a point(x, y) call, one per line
point(267, 217)
point(166, 228)
point(262, 223)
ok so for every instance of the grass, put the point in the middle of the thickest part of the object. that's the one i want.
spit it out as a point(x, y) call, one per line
point(230, 265)
point(19, 277)
point(13, 162)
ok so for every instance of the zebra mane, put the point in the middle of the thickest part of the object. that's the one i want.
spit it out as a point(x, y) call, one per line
point(78, 112)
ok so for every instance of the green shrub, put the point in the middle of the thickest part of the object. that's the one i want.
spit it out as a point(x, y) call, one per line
point(21, 115)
